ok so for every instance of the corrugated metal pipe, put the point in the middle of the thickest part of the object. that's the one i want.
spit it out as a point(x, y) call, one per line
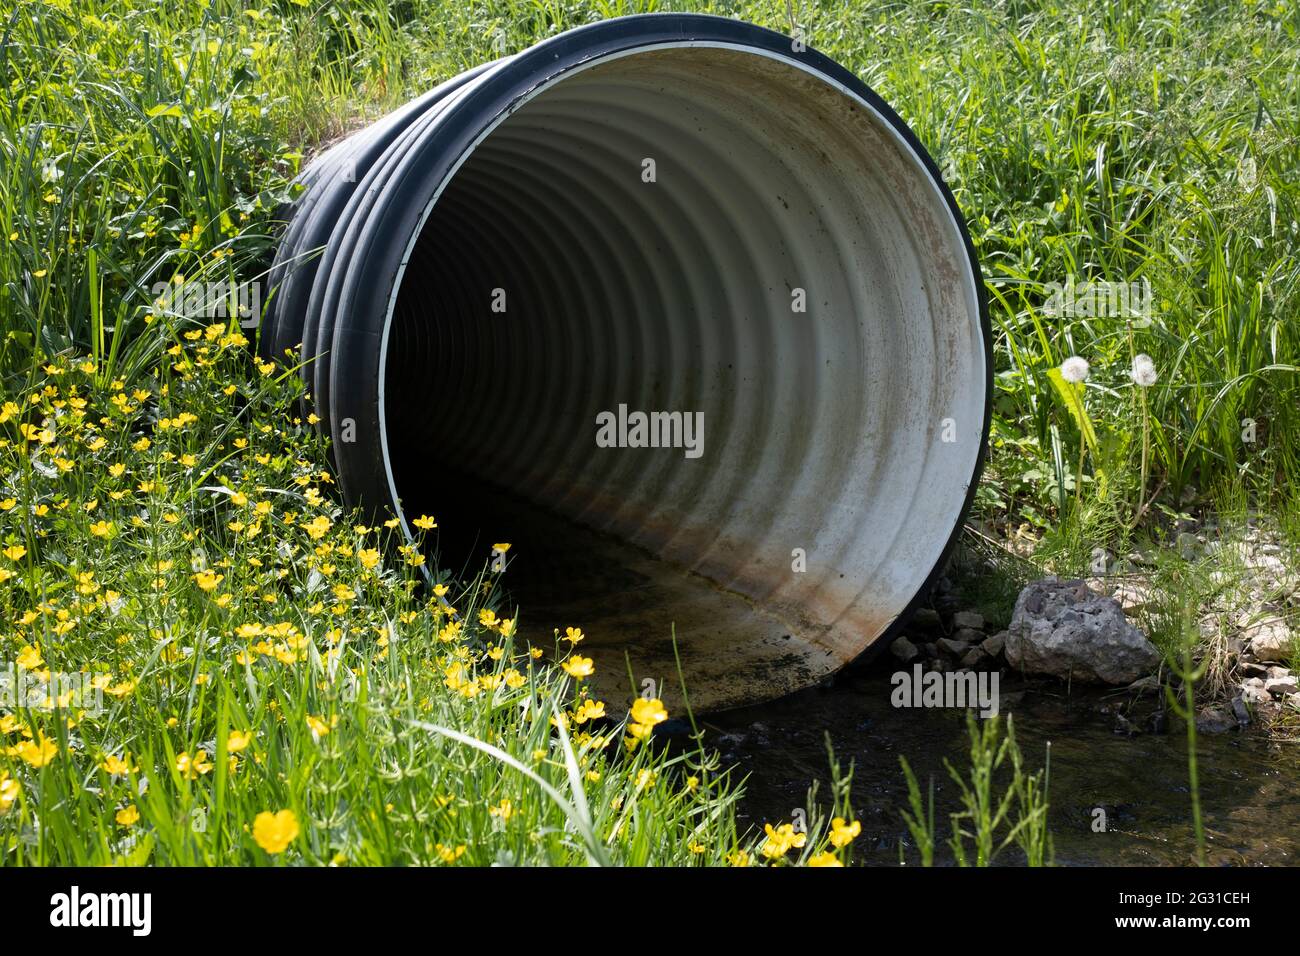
point(679, 308)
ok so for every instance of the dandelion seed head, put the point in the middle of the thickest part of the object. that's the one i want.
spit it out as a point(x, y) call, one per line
point(1074, 369)
point(1144, 372)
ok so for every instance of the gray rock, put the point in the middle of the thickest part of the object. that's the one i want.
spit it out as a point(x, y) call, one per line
point(1281, 686)
point(926, 619)
point(904, 650)
point(993, 645)
point(953, 647)
point(975, 659)
point(968, 634)
point(971, 619)
point(1269, 639)
point(1216, 719)
point(1254, 692)
point(1064, 629)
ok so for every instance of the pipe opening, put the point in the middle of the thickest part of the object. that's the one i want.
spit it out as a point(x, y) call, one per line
point(721, 234)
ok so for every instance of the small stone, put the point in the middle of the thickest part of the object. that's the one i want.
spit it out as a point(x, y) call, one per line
point(1269, 639)
point(975, 659)
point(1254, 692)
point(1125, 726)
point(1281, 686)
point(968, 634)
point(993, 645)
point(926, 619)
point(972, 619)
point(904, 650)
point(1216, 719)
point(953, 647)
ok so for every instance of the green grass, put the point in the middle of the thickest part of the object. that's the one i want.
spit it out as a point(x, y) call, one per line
point(149, 142)
point(235, 648)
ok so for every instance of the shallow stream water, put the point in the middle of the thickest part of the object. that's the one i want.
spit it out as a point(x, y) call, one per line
point(1248, 783)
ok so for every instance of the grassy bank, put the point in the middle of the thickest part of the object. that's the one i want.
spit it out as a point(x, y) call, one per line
point(217, 665)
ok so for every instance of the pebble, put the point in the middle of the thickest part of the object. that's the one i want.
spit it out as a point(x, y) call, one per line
point(957, 648)
point(904, 650)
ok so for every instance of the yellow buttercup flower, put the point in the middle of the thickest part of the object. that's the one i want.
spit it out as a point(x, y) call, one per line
point(117, 766)
point(824, 859)
point(578, 667)
point(9, 790)
point(29, 658)
point(191, 768)
point(37, 752)
point(128, 816)
point(15, 552)
point(425, 523)
point(780, 840)
point(208, 579)
point(449, 854)
point(842, 834)
point(589, 710)
point(237, 741)
point(317, 725)
point(275, 831)
point(649, 711)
